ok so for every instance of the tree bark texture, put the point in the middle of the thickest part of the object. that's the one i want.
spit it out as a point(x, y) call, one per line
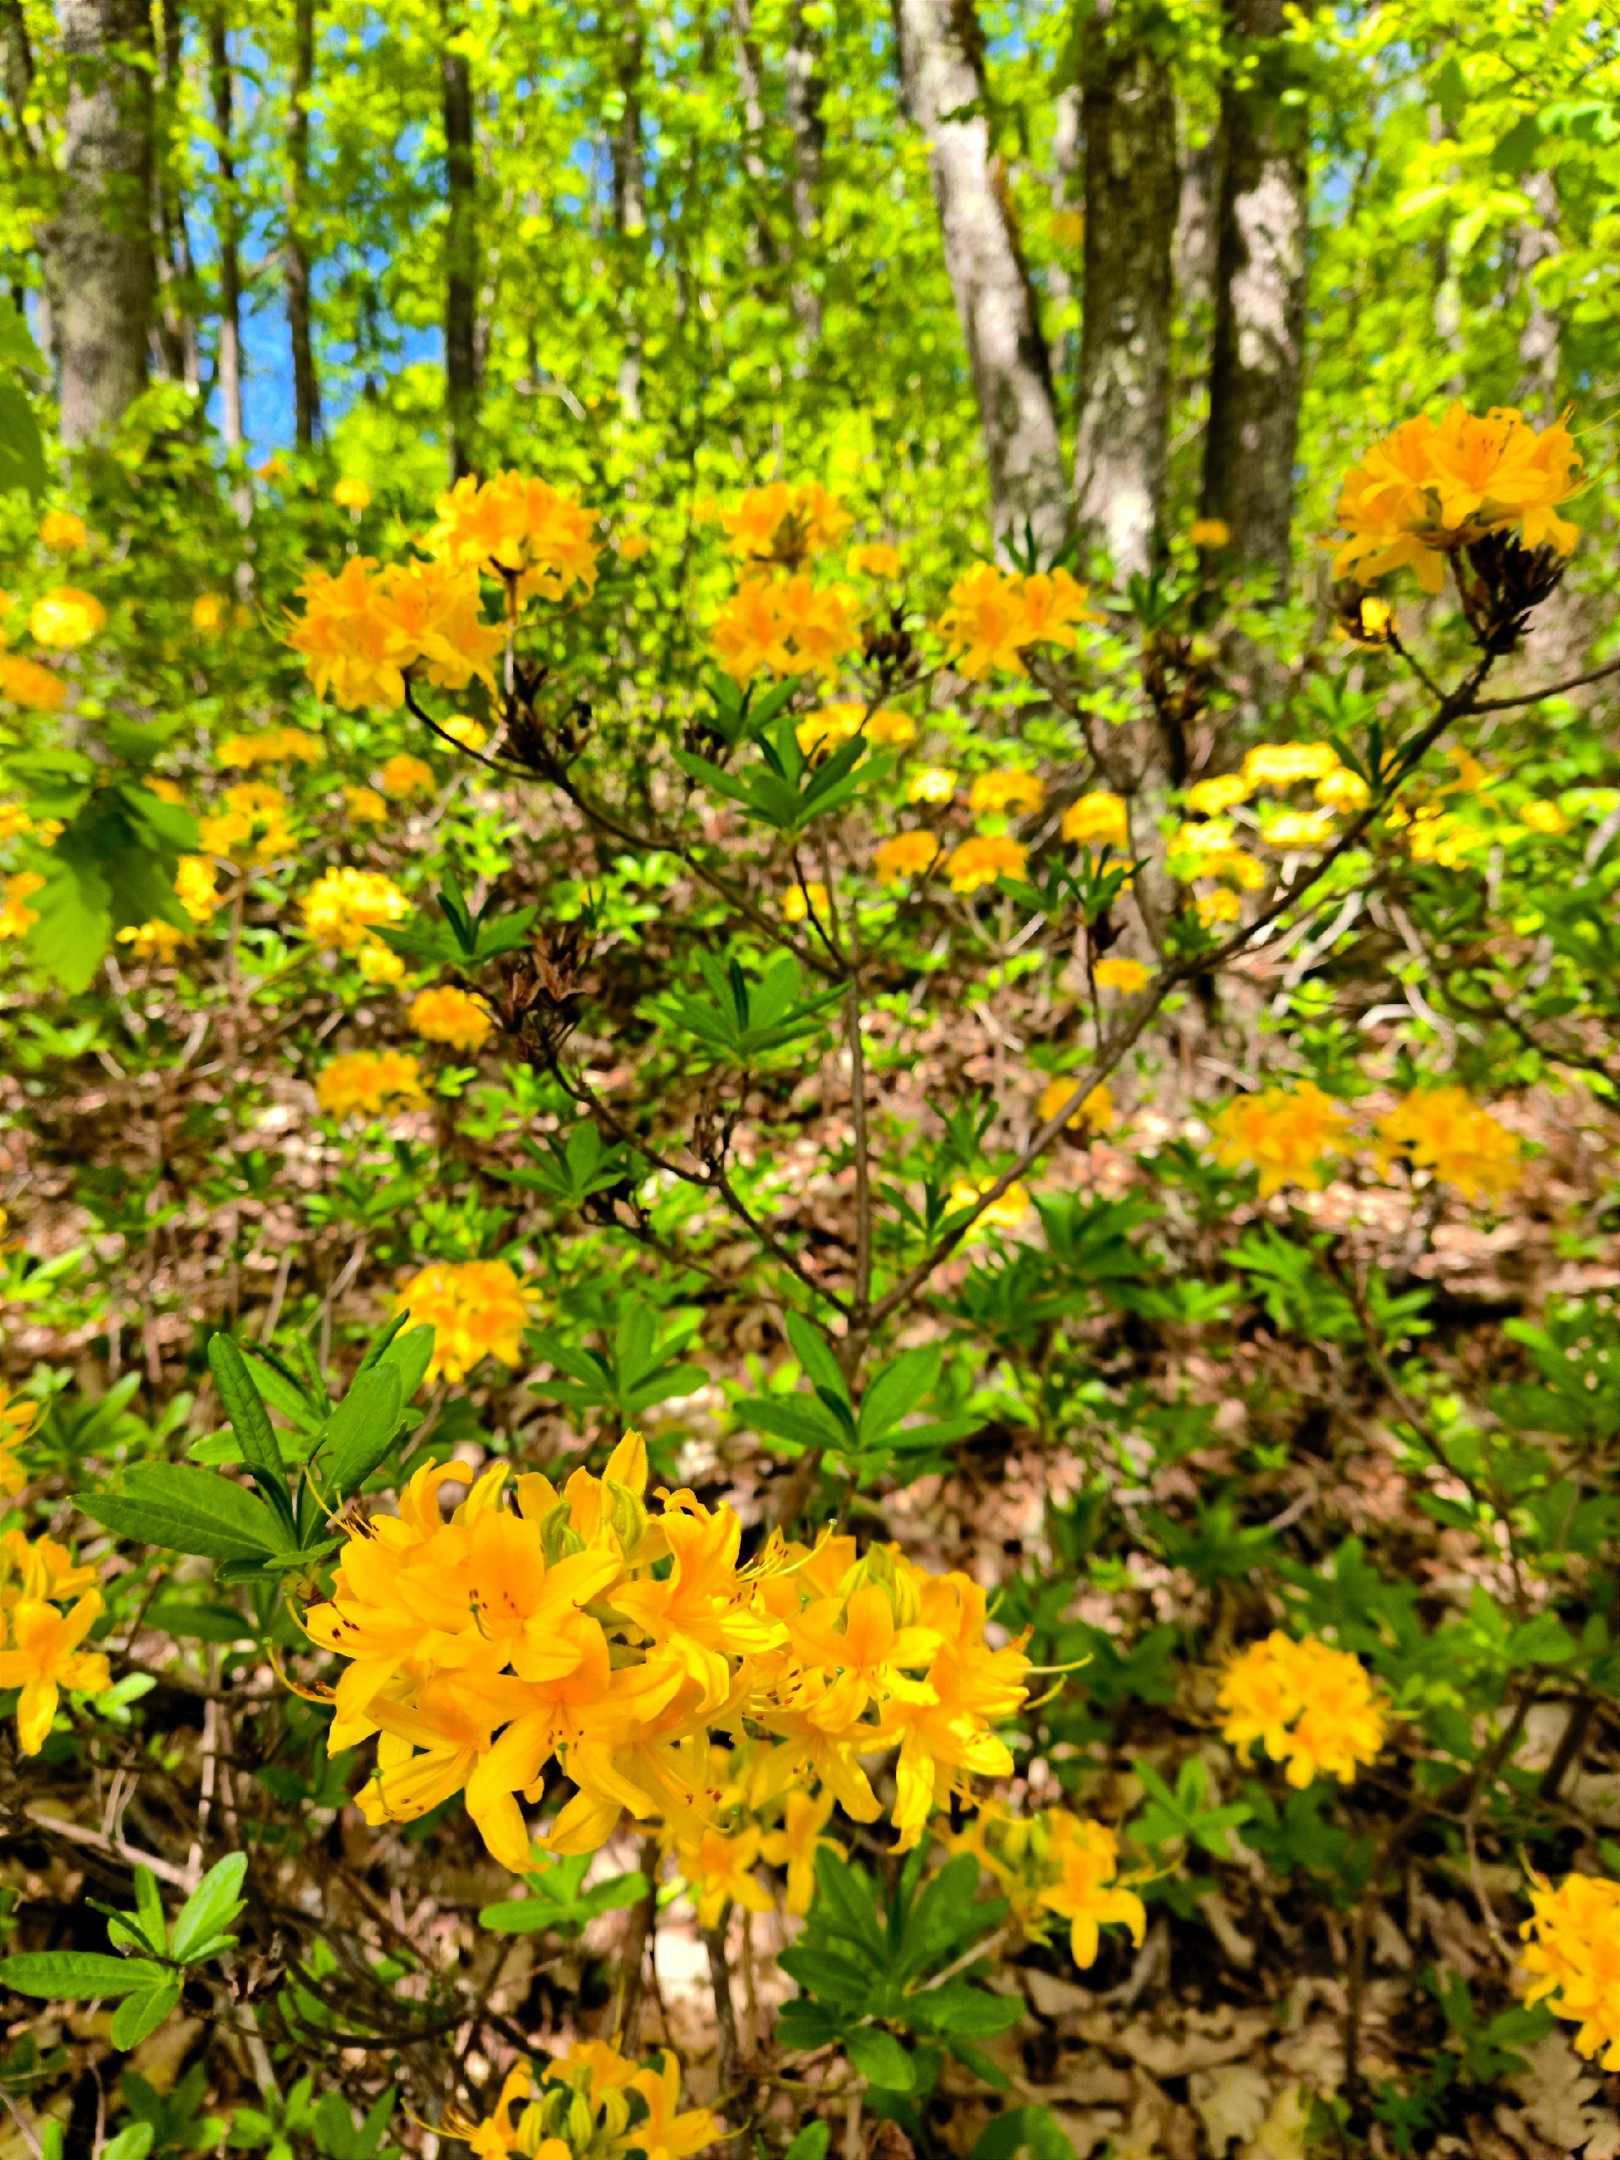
point(295, 260)
point(460, 257)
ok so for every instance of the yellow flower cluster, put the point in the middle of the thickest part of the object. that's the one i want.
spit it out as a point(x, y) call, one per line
point(995, 616)
point(1285, 1133)
point(821, 732)
point(363, 631)
point(1010, 788)
point(800, 902)
point(1006, 1212)
point(785, 625)
point(17, 918)
point(26, 683)
point(908, 855)
point(343, 909)
point(368, 1082)
point(1095, 1113)
point(1444, 1131)
point(403, 775)
point(252, 823)
point(447, 1014)
point(1573, 1962)
point(1432, 488)
point(1122, 974)
point(521, 529)
point(785, 524)
point(476, 1308)
point(1311, 1707)
point(591, 1630)
point(1097, 820)
point(590, 2101)
point(65, 618)
point(1056, 1863)
point(47, 1605)
point(984, 859)
point(271, 746)
point(196, 887)
point(64, 532)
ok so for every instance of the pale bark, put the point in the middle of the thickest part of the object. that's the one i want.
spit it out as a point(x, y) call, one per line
point(1127, 118)
point(460, 257)
point(101, 236)
point(942, 76)
point(176, 320)
point(1063, 279)
point(1256, 369)
point(630, 205)
point(296, 264)
point(805, 92)
point(751, 91)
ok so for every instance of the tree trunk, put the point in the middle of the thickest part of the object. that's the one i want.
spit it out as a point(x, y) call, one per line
point(101, 236)
point(1128, 120)
point(227, 225)
point(175, 313)
point(460, 256)
point(306, 384)
point(805, 91)
point(630, 206)
point(1256, 367)
point(943, 81)
point(751, 89)
point(1062, 279)
point(31, 149)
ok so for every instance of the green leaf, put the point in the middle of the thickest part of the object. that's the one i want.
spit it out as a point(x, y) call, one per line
point(22, 447)
point(811, 2143)
point(189, 1510)
point(362, 1428)
point(211, 1907)
point(74, 925)
point(250, 1422)
point(142, 2014)
point(78, 1975)
point(880, 2059)
point(133, 2142)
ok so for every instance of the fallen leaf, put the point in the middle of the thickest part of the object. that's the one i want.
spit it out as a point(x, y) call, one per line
point(1231, 2102)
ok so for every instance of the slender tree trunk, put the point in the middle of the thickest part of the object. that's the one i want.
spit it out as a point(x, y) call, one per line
point(1063, 279)
point(751, 90)
point(1198, 211)
point(943, 80)
point(32, 150)
point(1128, 120)
point(805, 91)
point(227, 223)
point(1256, 368)
point(630, 205)
point(460, 255)
point(306, 384)
point(176, 318)
point(101, 237)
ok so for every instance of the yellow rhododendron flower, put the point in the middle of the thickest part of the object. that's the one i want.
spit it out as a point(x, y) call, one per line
point(65, 618)
point(17, 918)
point(800, 902)
point(984, 859)
point(1444, 1131)
point(250, 824)
point(519, 527)
point(1094, 1114)
point(1097, 820)
point(907, 855)
point(1219, 793)
point(477, 1309)
point(344, 907)
point(451, 1015)
point(464, 729)
point(365, 630)
point(1282, 765)
point(18, 1417)
point(364, 806)
point(784, 524)
point(876, 559)
point(587, 2095)
point(369, 1082)
point(26, 683)
point(403, 775)
point(1005, 1212)
point(352, 493)
point(1343, 789)
point(64, 532)
point(271, 746)
point(1431, 488)
point(1122, 974)
point(994, 616)
point(785, 626)
point(1209, 533)
point(633, 546)
point(931, 784)
point(1573, 1962)
point(1218, 907)
point(1298, 829)
point(1285, 1133)
point(1010, 789)
point(43, 1653)
point(1087, 1893)
point(820, 732)
point(1543, 817)
point(208, 612)
point(1311, 1707)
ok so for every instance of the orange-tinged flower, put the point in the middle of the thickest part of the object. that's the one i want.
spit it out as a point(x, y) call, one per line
point(1573, 1962)
point(1119, 973)
point(64, 532)
point(477, 1308)
point(369, 1082)
point(907, 855)
point(44, 1654)
point(1095, 1113)
point(983, 860)
point(1087, 1893)
point(520, 527)
point(1311, 1707)
point(1444, 1131)
point(17, 918)
point(451, 1015)
point(403, 775)
point(1012, 788)
point(1287, 1134)
point(875, 558)
point(344, 907)
point(1097, 820)
point(26, 683)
